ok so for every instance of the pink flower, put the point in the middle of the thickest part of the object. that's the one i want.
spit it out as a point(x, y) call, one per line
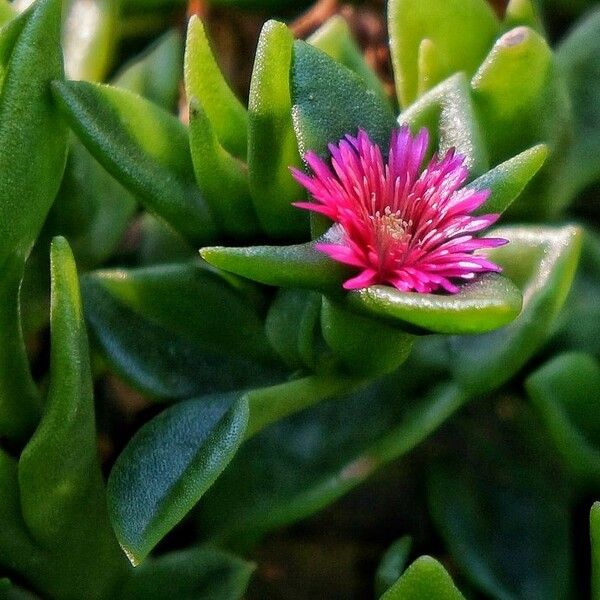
point(398, 224)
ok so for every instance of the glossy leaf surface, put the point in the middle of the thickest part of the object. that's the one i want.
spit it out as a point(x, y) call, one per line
point(141, 145)
point(272, 147)
point(204, 81)
point(136, 318)
point(201, 573)
point(566, 392)
point(156, 74)
point(222, 179)
point(330, 101)
point(447, 111)
point(90, 37)
point(298, 465)
point(487, 303)
point(542, 262)
point(462, 32)
point(425, 578)
point(297, 266)
point(335, 39)
point(33, 45)
point(168, 465)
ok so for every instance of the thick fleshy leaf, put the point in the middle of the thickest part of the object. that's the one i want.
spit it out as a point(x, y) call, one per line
point(52, 478)
point(272, 147)
point(144, 147)
point(169, 464)
point(392, 564)
point(136, 318)
point(502, 508)
point(360, 344)
point(542, 262)
point(461, 30)
point(17, 548)
point(425, 578)
point(222, 179)
point(330, 101)
point(156, 74)
point(197, 573)
point(335, 39)
point(7, 12)
point(292, 326)
point(90, 38)
point(522, 12)
point(301, 464)
point(487, 303)
point(92, 209)
point(297, 266)
point(566, 392)
point(579, 327)
point(578, 57)
point(204, 81)
point(448, 109)
point(508, 179)
point(61, 491)
point(510, 89)
point(35, 60)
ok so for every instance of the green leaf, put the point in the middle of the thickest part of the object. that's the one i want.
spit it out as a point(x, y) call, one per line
point(169, 464)
point(447, 111)
point(360, 344)
point(329, 101)
point(501, 506)
point(7, 12)
point(292, 326)
point(579, 327)
point(161, 244)
point(335, 39)
point(156, 73)
point(511, 89)
point(204, 81)
point(301, 464)
point(578, 57)
point(522, 12)
point(222, 179)
point(62, 498)
point(461, 30)
point(271, 404)
point(392, 564)
point(53, 480)
point(508, 179)
point(136, 318)
point(272, 145)
point(425, 578)
point(201, 573)
point(25, 110)
point(566, 392)
point(9, 33)
point(297, 266)
point(143, 147)
point(595, 540)
point(90, 38)
point(92, 209)
point(542, 262)
point(35, 61)
point(487, 303)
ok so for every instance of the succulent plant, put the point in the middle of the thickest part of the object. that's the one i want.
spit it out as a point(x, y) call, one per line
point(288, 356)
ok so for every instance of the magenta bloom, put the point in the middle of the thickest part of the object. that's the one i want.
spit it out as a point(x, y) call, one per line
point(400, 225)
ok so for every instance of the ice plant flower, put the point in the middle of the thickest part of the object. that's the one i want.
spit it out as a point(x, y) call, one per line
point(400, 225)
